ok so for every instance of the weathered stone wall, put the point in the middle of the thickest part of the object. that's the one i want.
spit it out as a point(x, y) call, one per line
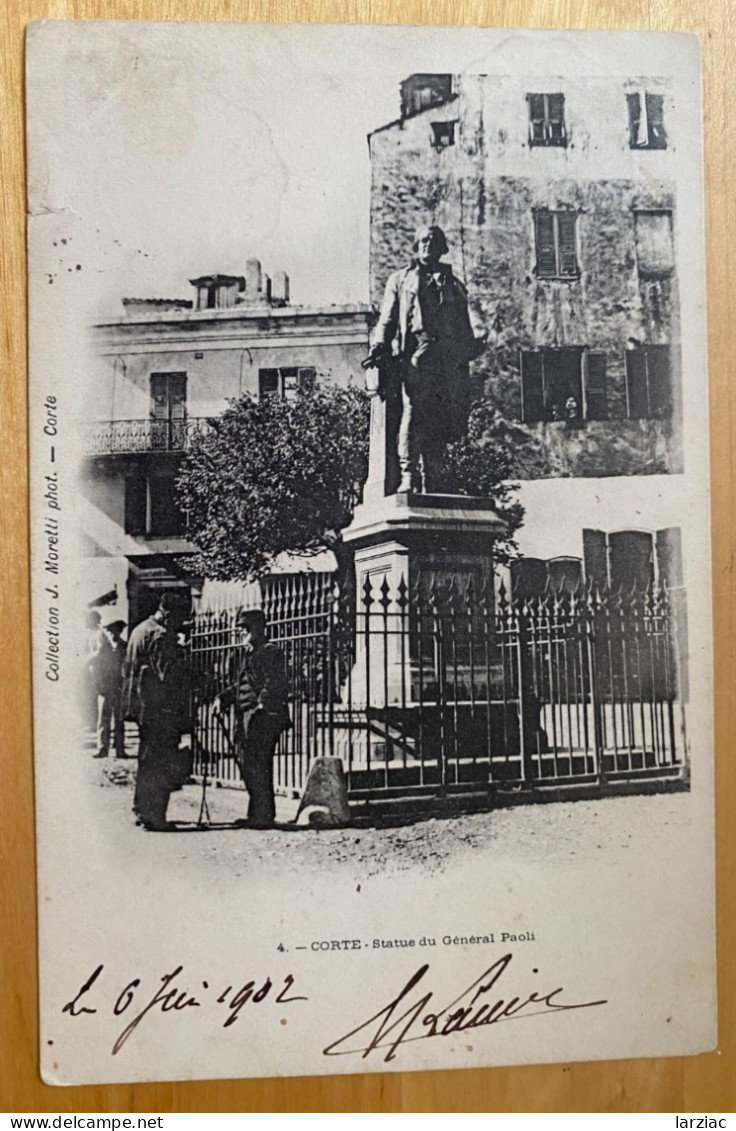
point(483, 189)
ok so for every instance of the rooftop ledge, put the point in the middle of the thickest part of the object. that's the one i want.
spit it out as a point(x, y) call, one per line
point(237, 314)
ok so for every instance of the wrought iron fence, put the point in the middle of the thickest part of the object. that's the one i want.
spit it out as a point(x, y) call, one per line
point(113, 437)
point(441, 687)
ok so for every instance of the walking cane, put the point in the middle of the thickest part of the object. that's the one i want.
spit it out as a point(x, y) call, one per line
point(204, 811)
point(205, 759)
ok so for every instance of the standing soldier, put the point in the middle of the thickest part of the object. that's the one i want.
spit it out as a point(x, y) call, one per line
point(424, 318)
point(259, 693)
point(156, 695)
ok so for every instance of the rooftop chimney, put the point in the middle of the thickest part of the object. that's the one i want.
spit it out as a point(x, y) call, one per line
point(280, 288)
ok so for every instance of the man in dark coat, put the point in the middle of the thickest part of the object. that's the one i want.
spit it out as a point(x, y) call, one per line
point(259, 693)
point(109, 667)
point(156, 695)
point(424, 322)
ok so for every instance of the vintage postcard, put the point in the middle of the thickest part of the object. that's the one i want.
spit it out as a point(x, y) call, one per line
point(370, 540)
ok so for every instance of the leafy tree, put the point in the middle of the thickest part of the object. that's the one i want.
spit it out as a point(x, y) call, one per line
point(274, 475)
point(486, 460)
point(282, 475)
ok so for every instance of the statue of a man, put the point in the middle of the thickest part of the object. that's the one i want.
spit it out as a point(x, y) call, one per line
point(424, 324)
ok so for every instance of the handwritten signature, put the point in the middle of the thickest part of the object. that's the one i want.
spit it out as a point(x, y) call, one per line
point(169, 997)
point(407, 1017)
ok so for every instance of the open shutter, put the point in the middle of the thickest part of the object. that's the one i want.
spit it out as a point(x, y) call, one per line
point(596, 406)
point(544, 231)
point(532, 386)
point(159, 396)
point(568, 255)
point(660, 381)
point(637, 391)
point(668, 548)
point(595, 556)
point(556, 119)
point(178, 396)
point(536, 119)
point(634, 103)
point(268, 383)
point(657, 139)
point(668, 545)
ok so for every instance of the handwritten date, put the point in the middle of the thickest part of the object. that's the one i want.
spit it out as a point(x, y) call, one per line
point(170, 998)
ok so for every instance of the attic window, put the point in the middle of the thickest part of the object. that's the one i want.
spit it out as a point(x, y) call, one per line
point(443, 134)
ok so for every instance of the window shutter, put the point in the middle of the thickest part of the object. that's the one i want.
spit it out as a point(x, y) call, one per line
point(595, 556)
point(536, 118)
point(136, 493)
point(268, 382)
point(634, 104)
point(567, 249)
point(178, 396)
point(159, 396)
point(556, 119)
point(637, 391)
point(532, 386)
point(657, 138)
point(659, 380)
point(596, 406)
point(668, 547)
point(545, 243)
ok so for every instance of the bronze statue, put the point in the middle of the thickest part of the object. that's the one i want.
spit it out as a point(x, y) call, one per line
point(424, 335)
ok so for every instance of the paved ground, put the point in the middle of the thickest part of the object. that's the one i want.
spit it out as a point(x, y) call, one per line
point(572, 831)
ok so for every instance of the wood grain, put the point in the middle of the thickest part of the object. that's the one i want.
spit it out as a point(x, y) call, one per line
point(700, 1084)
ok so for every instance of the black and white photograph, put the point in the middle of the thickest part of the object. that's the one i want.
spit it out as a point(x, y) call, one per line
point(371, 600)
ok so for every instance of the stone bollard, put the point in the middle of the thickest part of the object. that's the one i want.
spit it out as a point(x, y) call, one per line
point(325, 800)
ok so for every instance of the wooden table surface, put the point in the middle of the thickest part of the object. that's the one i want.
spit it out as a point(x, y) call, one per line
point(698, 1084)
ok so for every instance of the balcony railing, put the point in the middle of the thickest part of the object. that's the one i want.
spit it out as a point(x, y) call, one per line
point(109, 437)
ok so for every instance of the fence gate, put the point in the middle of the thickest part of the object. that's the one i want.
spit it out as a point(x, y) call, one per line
point(442, 688)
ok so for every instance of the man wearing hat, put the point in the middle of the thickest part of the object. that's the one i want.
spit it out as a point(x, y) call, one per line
point(109, 664)
point(424, 322)
point(259, 693)
point(156, 694)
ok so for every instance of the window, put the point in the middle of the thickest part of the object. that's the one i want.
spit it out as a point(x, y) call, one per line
point(556, 244)
point(547, 119)
point(563, 384)
point(648, 382)
point(646, 121)
point(168, 410)
point(151, 505)
point(443, 134)
point(655, 253)
point(286, 381)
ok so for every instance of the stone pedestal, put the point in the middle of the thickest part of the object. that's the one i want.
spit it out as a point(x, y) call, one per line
point(404, 544)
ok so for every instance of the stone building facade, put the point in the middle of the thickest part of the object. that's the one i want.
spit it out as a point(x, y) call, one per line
point(161, 372)
point(558, 201)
